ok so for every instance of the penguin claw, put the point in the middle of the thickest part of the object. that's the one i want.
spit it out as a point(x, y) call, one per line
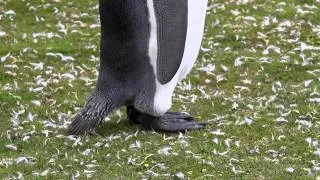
point(92, 132)
point(171, 122)
point(82, 125)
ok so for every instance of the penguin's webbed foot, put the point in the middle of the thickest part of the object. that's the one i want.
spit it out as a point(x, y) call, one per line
point(170, 122)
point(81, 125)
point(97, 107)
point(133, 114)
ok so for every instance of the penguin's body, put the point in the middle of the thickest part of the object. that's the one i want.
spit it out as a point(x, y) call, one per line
point(147, 47)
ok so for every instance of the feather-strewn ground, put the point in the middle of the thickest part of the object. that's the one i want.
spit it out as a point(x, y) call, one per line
point(257, 80)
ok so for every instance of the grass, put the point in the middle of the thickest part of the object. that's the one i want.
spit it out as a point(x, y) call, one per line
point(254, 80)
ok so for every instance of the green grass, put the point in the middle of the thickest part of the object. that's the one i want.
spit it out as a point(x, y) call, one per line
point(244, 102)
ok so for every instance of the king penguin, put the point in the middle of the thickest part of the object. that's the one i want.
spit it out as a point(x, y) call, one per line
point(146, 48)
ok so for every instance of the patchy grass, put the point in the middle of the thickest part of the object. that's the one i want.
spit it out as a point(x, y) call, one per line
point(256, 80)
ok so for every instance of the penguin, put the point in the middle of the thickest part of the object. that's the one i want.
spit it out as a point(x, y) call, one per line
point(146, 48)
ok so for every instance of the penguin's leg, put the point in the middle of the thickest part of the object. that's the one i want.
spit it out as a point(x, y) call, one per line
point(133, 114)
point(168, 122)
point(98, 106)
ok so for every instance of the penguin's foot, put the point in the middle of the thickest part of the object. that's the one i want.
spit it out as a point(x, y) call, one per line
point(91, 116)
point(133, 115)
point(81, 125)
point(169, 122)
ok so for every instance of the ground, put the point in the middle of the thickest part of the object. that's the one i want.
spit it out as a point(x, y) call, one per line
point(257, 81)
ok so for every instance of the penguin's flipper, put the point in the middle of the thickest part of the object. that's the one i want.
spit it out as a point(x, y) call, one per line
point(172, 24)
point(97, 108)
point(170, 122)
